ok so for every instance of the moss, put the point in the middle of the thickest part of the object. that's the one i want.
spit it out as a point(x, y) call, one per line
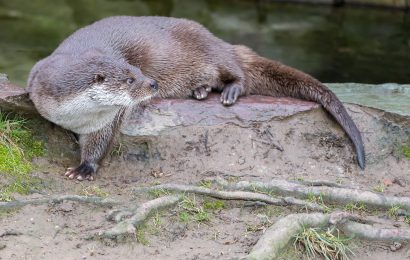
point(214, 205)
point(18, 146)
point(406, 151)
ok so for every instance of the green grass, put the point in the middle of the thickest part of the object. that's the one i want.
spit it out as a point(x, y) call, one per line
point(393, 212)
point(323, 243)
point(93, 190)
point(214, 205)
point(206, 184)
point(379, 188)
point(140, 236)
point(18, 146)
point(406, 151)
point(156, 193)
point(192, 210)
point(352, 207)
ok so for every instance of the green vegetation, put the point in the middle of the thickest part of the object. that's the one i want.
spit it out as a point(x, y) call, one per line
point(394, 211)
point(184, 216)
point(379, 188)
point(155, 225)
point(17, 149)
point(406, 151)
point(351, 207)
point(192, 210)
point(206, 184)
point(140, 236)
point(214, 205)
point(158, 193)
point(317, 242)
point(93, 191)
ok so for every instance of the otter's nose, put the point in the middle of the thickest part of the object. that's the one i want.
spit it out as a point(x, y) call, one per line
point(154, 84)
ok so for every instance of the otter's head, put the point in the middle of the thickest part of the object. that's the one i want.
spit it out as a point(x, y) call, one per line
point(114, 82)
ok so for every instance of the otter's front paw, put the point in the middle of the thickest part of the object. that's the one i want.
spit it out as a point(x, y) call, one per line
point(230, 94)
point(86, 171)
point(201, 92)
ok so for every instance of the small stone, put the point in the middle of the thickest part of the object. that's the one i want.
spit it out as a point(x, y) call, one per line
point(396, 246)
point(388, 182)
point(83, 257)
point(32, 220)
point(3, 77)
point(2, 246)
point(67, 206)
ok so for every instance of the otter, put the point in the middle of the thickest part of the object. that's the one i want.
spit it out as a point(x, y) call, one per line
point(99, 71)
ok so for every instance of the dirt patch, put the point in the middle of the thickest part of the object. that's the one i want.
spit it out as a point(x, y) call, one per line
point(303, 146)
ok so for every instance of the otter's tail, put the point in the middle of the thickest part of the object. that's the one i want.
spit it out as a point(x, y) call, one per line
point(270, 78)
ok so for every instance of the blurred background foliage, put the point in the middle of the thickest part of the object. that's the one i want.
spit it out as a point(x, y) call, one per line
point(333, 44)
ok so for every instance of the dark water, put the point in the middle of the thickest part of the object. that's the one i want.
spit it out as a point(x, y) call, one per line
point(334, 45)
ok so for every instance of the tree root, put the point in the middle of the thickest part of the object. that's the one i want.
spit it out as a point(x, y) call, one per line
point(127, 228)
point(278, 236)
point(104, 202)
point(331, 194)
point(235, 195)
point(129, 218)
point(10, 233)
point(370, 232)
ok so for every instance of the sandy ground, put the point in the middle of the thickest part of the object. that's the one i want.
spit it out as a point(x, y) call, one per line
point(314, 148)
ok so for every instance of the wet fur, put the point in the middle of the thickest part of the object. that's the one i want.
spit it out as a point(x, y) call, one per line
point(183, 57)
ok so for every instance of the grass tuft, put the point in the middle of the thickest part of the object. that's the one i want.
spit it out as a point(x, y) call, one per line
point(406, 151)
point(17, 149)
point(319, 243)
point(214, 205)
point(352, 207)
point(393, 211)
point(192, 211)
point(94, 190)
point(140, 236)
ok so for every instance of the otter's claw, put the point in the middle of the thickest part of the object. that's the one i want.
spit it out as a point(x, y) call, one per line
point(201, 92)
point(83, 172)
point(230, 94)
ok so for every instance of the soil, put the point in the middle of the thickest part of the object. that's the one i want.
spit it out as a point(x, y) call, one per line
point(305, 145)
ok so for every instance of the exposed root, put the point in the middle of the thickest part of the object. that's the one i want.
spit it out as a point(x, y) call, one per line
point(278, 236)
point(10, 233)
point(127, 228)
point(321, 183)
point(104, 202)
point(331, 194)
point(235, 195)
point(370, 232)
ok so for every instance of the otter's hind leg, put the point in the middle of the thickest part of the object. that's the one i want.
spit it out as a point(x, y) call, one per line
point(94, 147)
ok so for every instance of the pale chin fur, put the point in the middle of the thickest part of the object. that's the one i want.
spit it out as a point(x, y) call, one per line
point(91, 110)
point(105, 95)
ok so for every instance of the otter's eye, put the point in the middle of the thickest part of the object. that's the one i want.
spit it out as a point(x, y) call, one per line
point(130, 81)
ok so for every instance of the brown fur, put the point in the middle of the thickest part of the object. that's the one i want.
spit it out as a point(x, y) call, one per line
point(186, 60)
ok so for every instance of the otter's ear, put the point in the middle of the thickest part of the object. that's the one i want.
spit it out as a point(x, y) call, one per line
point(99, 78)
